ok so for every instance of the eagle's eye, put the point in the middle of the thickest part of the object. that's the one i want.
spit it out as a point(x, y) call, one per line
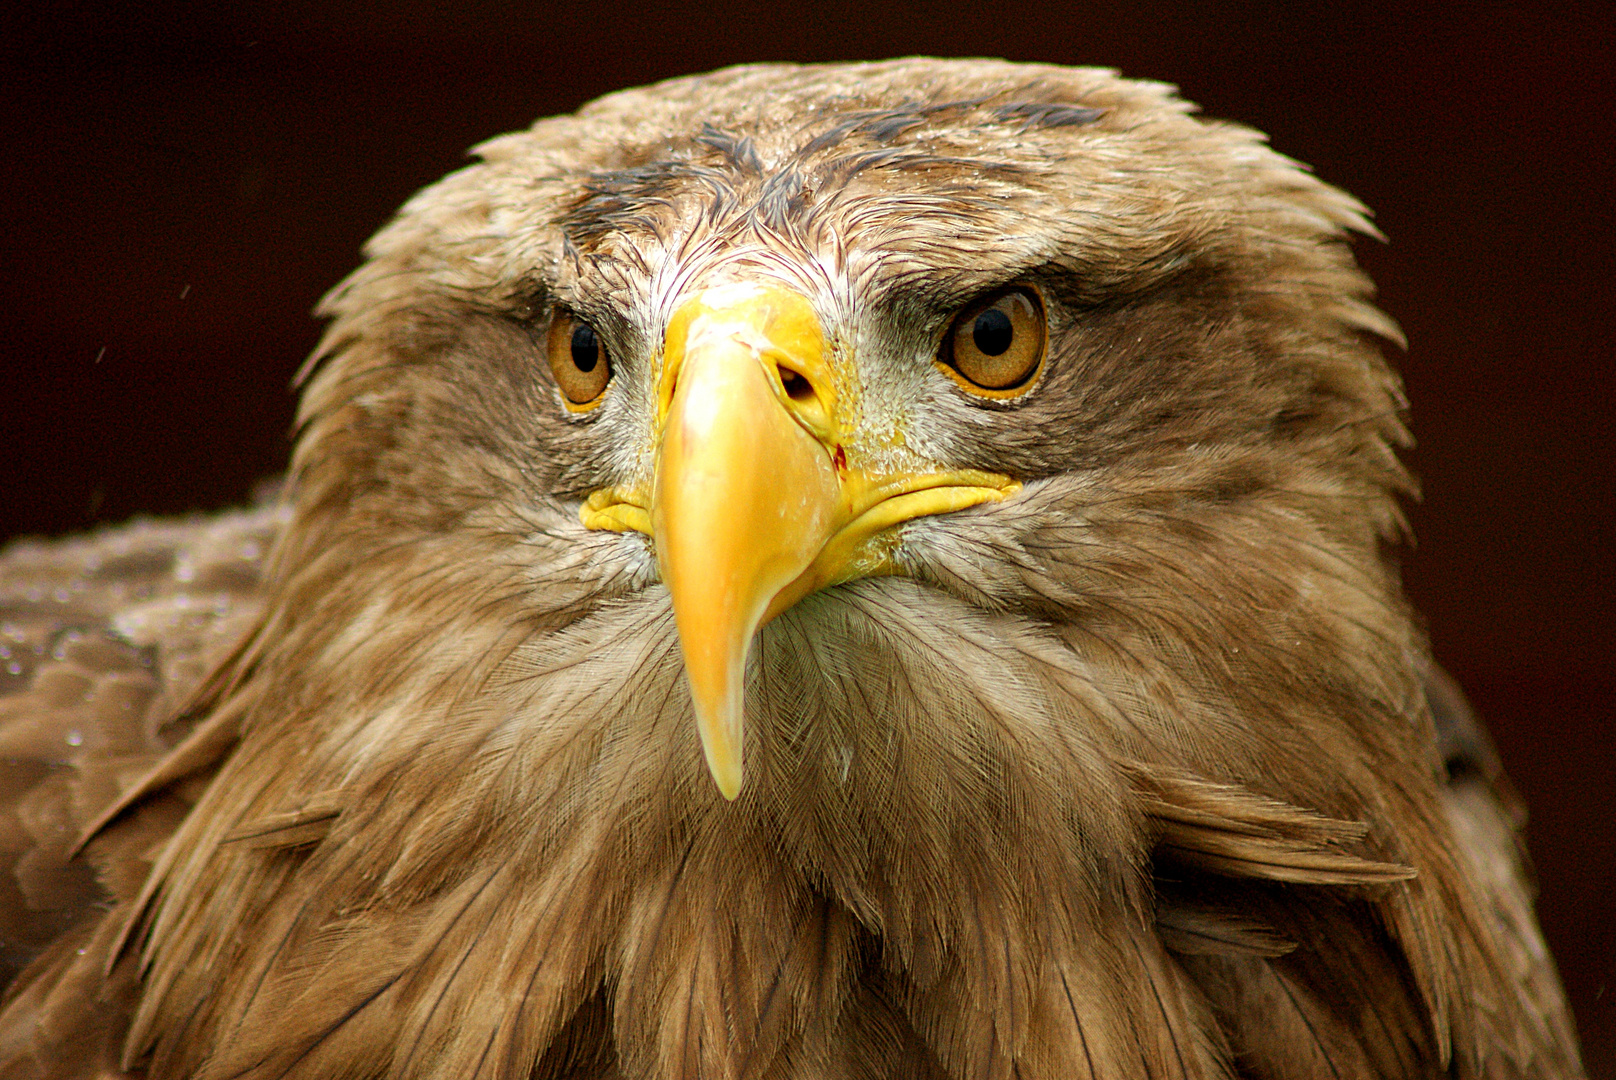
point(996, 346)
point(578, 359)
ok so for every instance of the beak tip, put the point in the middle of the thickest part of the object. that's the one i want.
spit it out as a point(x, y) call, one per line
point(727, 775)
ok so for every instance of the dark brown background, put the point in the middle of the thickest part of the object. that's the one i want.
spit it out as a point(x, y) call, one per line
point(180, 180)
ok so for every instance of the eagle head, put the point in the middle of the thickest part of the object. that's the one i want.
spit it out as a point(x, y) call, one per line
point(860, 570)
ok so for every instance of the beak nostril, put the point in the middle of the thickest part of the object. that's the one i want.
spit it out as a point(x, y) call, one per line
point(796, 386)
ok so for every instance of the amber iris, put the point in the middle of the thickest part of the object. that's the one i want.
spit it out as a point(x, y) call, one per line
point(578, 360)
point(997, 344)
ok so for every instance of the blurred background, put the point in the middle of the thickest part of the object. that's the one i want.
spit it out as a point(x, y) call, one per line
point(180, 180)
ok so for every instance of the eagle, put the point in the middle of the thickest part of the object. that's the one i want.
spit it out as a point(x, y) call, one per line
point(878, 571)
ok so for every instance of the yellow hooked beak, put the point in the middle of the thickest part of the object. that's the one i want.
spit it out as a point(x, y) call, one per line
point(753, 505)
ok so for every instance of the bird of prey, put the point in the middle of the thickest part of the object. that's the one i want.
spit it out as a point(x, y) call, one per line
point(855, 571)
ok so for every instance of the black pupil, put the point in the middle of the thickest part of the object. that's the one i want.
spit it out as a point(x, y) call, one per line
point(992, 332)
point(586, 347)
